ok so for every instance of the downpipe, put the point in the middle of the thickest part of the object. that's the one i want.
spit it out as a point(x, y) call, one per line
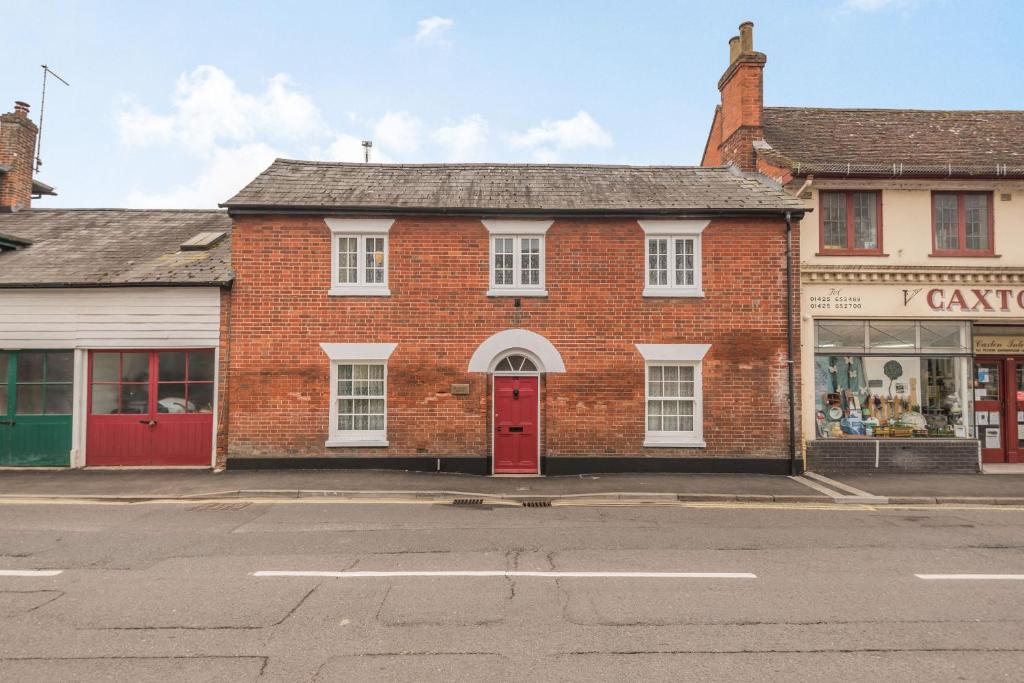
point(790, 370)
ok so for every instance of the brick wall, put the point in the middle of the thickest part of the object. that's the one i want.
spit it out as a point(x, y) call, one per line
point(17, 149)
point(224, 387)
point(438, 314)
point(742, 89)
point(894, 455)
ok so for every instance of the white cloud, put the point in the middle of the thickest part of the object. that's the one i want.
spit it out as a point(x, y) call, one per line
point(463, 141)
point(398, 131)
point(433, 31)
point(208, 108)
point(579, 131)
point(225, 172)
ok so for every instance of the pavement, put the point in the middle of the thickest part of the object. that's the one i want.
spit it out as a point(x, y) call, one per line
point(172, 591)
point(868, 489)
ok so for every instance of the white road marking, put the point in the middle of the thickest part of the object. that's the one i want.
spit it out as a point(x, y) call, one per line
point(30, 572)
point(509, 574)
point(836, 484)
point(971, 577)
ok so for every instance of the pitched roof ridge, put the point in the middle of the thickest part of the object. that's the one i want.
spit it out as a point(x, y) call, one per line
point(890, 110)
point(496, 164)
point(83, 209)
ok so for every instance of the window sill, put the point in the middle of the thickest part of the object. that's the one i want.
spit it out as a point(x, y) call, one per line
point(350, 290)
point(964, 254)
point(673, 442)
point(517, 292)
point(356, 443)
point(656, 292)
point(847, 252)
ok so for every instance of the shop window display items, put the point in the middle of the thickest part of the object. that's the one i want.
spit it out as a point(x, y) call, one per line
point(863, 389)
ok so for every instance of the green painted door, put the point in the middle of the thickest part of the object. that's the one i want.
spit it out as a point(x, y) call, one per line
point(35, 408)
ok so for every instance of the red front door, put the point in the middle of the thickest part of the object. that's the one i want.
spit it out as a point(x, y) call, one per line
point(150, 408)
point(998, 406)
point(516, 447)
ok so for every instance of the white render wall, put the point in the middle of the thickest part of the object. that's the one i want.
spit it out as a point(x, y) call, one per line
point(114, 317)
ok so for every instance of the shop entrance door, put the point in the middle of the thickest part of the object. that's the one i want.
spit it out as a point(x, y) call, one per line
point(999, 407)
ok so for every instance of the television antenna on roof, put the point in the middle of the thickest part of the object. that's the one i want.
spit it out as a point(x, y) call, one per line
point(367, 144)
point(42, 109)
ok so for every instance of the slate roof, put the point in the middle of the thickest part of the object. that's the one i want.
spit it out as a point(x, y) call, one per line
point(508, 188)
point(895, 141)
point(102, 247)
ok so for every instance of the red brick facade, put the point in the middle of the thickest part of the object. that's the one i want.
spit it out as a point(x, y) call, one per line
point(438, 314)
point(17, 147)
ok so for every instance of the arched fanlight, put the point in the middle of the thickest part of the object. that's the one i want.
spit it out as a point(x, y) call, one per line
point(515, 363)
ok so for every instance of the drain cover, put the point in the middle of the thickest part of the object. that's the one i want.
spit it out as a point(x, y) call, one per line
point(536, 503)
point(468, 501)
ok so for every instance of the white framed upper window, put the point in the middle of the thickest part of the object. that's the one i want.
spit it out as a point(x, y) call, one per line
point(359, 256)
point(672, 258)
point(673, 395)
point(359, 397)
point(517, 257)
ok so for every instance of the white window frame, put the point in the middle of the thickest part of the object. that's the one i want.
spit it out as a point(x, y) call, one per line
point(360, 229)
point(358, 354)
point(517, 230)
point(679, 355)
point(674, 231)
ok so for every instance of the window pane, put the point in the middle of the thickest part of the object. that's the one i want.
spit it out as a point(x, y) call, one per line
point(200, 366)
point(504, 366)
point(30, 366)
point(135, 367)
point(59, 366)
point(58, 399)
point(833, 209)
point(345, 422)
point(529, 260)
point(942, 335)
point(344, 372)
point(3, 366)
point(657, 262)
point(839, 335)
point(3, 399)
point(865, 220)
point(104, 399)
point(200, 398)
point(976, 221)
point(348, 259)
point(684, 263)
point(892, 335)
point(29, 400)
point(374, 260)
point(170, 398)
point(946, 230)
point(503, 261)
point(171, 367)
point(135, 398)
point(106, 367)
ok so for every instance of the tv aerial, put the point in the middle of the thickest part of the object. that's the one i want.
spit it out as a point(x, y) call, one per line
point(42, 109)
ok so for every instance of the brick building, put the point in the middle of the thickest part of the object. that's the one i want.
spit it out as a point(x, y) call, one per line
point(912, 292)
point(511, 318)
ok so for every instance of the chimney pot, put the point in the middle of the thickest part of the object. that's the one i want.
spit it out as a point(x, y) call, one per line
point(734, 49)
point(21, 108)
point(746, 37)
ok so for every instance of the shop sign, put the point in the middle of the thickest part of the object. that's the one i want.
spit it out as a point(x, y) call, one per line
point(879, 300)
point(993, 345)
point(975, 300)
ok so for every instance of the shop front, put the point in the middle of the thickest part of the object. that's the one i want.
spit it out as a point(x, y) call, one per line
point(912, 378)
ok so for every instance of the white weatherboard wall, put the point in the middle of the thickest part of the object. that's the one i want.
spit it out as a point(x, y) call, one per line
point(121, 317)
point(108, 318)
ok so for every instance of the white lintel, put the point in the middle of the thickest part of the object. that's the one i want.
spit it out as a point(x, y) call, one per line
point(508, 226)
point(674, 227)
point(358, 351)
point(360, 226)
point(673, 352)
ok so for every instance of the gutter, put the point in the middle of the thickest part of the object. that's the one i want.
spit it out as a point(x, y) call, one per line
point(223, 284)
point(523, 213)
point(789, 346)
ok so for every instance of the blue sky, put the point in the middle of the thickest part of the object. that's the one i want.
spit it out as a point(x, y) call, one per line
point(179, 104)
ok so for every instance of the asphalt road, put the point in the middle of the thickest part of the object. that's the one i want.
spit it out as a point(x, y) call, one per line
point(169, 592)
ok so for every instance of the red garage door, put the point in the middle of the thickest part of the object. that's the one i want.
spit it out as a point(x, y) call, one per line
point(150, 408)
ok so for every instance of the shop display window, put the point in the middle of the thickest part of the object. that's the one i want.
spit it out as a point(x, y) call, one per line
point(892, 379)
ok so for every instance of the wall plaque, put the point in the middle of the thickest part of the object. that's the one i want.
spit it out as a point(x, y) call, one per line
point(460, 390)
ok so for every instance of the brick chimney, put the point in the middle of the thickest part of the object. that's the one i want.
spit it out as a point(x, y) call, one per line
point(742, 88)
point(17, 149)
